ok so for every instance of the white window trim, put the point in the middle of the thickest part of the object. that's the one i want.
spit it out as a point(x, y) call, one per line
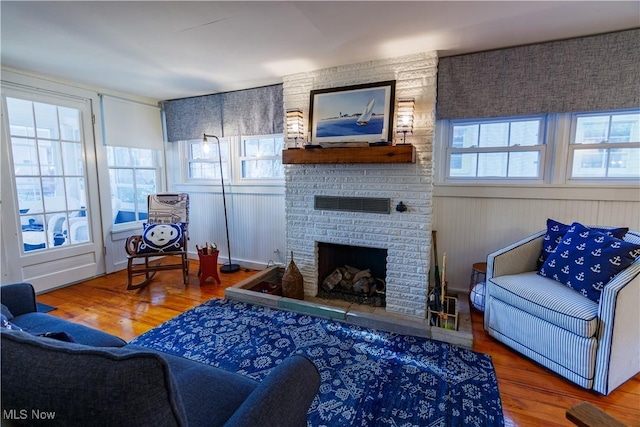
point(572, 148)
point(260, 181)
point(555, 185)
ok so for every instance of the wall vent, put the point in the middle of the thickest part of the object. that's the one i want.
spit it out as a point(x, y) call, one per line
point(353, 204)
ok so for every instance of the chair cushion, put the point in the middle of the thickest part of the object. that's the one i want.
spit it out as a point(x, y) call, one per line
point(586, 260)
point(161, 238)
point(556, 230)
point(86, 385)
point(549, 300)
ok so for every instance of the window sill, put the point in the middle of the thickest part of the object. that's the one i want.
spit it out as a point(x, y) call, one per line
point(538, 191)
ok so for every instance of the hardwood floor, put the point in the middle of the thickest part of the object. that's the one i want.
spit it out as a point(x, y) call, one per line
point(531, 395)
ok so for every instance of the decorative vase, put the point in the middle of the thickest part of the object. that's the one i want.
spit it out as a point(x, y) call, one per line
point(292, 283)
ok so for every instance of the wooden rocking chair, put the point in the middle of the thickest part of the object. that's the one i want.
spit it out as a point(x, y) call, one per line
point(165, 235)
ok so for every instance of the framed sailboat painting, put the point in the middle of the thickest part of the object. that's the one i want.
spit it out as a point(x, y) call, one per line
point(352, 115)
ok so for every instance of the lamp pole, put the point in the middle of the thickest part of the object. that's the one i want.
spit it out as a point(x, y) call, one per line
point(229, 267)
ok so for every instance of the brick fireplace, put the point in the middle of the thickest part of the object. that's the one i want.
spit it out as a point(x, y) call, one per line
point(405, 236)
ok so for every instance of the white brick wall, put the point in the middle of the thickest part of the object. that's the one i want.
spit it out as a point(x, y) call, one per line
point(407, 235)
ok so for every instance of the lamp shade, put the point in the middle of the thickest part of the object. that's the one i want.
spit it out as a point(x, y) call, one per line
point(406, 108)
point(295, 124)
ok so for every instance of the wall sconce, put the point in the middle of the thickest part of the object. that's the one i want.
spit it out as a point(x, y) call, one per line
point(295, 125)
point(406, 107)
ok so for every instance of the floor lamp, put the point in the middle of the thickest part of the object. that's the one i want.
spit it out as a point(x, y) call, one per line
point(228, 267)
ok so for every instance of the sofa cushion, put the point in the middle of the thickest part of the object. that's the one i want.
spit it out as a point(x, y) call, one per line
point(556, 230)
point(549, 300)
point(586, 260)
point(6, 312)
point(85, 385)
point(40, 323)
point(195, 380)
point(161, 238)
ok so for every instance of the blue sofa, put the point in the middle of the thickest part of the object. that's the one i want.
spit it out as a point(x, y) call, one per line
point(101, 380)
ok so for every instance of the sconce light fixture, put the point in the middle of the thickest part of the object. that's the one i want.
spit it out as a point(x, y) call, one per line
point(406, 107)
point(228, 267)
point(295, 125)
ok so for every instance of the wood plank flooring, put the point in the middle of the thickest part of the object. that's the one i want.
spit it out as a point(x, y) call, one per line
point(531, 395)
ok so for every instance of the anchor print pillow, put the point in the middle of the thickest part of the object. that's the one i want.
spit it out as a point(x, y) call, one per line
point(161, 238)
point(556, 230)
point(587, 259)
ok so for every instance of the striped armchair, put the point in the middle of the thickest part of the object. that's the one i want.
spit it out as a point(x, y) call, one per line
point(595, 345)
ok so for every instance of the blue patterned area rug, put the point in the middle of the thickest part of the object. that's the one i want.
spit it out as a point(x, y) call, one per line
point(368, 377)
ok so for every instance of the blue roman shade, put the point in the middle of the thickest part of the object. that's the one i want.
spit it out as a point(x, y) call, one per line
point(592, 73)
point(257, 111)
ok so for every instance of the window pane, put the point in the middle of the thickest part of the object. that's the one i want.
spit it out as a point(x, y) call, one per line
point(254, 169)
point(525, 133)
point(465, 136)
point(589, 163)
point(122, 156)
point(25, 157)
point(29, 194)
point(267, 147)
point(624, 163)
point(494, 135)
point(50, 157)
point(145, 185)
point(69, 124)
point(75, 193)
point(21, 117)
point(591, 129)
point(492, 164)
point(143, 157)
point(251, 147)
point(467, 163)
point(46, 120)
point(72, 158)
point(56, 229)
point(625, 128)
point(524, 164)
point(54, 194)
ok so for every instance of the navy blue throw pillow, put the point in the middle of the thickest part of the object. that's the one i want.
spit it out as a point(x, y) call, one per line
point(587, 259)
point(556, 230)
point(161, 238)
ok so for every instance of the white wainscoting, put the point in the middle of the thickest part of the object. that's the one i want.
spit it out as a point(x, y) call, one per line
point(469, 228)
point(256, 228)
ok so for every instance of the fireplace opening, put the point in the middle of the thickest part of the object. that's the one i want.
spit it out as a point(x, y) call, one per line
point(355, 274)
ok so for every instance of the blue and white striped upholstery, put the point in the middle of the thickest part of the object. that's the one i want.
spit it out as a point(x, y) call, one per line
point(549, 300)
point(597, 346)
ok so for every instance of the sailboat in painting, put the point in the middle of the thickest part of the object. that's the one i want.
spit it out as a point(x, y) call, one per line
point(364, 118)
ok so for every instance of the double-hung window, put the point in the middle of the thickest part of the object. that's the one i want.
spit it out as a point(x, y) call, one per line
point(261, 157)
point(203, 161)
point(605, 145)
point(133, 174)
point(496, 149)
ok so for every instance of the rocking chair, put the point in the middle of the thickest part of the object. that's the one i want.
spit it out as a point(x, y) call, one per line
point(165, 235)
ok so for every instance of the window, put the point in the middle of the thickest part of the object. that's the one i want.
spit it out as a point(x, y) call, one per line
point(605, 145)
point(203, 160)
point(133, 175)
point(507, 148)
point(261, 157)
point(47, 153)
point(568, 148)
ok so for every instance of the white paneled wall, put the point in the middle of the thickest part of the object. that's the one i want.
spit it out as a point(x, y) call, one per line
point(469, 228)
point(256, 228)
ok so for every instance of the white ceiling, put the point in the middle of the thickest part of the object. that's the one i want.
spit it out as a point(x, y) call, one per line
point(173, 49)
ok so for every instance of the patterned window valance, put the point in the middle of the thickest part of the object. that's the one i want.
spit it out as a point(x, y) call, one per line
point(583, 74)
point(257, 111)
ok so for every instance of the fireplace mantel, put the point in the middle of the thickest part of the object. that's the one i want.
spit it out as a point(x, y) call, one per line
point(402, 153)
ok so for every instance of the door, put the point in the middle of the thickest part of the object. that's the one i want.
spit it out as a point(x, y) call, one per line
point(50, 212)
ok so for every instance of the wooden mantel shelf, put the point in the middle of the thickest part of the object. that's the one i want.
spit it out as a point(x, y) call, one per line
point(383, 154)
